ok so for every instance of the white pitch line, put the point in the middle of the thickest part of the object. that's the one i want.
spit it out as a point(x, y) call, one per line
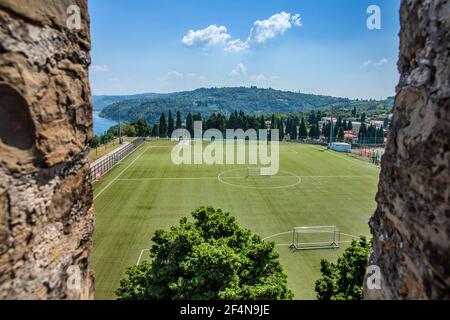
point(214, 178)
point(140, 256)
point(122, 172)
point(276, 235)
point(167, 178)
point(349, 235)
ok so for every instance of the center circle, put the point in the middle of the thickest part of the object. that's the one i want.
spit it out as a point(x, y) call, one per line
point(235, 176)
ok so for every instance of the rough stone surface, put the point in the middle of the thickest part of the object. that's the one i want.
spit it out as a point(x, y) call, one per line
point(46, 220)
point(411, 226)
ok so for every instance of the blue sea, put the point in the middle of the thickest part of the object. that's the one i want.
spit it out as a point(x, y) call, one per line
point(101, 125)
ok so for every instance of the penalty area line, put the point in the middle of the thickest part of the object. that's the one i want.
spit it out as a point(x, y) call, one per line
point(140, 256)
point(122, 172)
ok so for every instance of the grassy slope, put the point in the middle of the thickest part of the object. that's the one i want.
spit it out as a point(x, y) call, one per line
point(129, 211)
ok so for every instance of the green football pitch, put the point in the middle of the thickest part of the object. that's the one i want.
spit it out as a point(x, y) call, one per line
point(147, 192)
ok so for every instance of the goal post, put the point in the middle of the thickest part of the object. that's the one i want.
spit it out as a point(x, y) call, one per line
point(258, 172)
point(318, 237)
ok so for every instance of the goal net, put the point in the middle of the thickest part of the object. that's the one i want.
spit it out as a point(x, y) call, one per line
point(258, 172)
point(320, 237)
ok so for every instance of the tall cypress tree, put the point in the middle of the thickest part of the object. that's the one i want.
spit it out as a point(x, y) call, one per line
point(262, 123)
point(190, 124)
point(302, 132)
point(281, 128)
point(341, 134)
point(349, 125)
point(274, 122)
point(171, 126)
point(155, 131)
point(362, 133)
point(179, 120)
point(162, 126)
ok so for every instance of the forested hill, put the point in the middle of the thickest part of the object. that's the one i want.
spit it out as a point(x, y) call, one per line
point(226, 100)
point(100, 102)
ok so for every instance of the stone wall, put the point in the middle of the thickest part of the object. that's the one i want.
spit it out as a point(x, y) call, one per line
point(46, 220)
point(411, 226)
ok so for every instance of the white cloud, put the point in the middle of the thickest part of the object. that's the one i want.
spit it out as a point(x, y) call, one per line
point(382, 62)
point(211, 36)
point(99, 68)
point(258, 78)
point(240, 70)
point(174, 74)
point(367, 63)
point(261, 32)
point(237, 46)
point(276, 25)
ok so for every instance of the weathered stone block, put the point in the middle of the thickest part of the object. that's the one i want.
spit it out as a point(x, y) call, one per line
point(46, 220)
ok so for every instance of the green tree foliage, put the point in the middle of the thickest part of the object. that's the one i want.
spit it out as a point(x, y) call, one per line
point(341, 134)
point(363, 118)
point(171, 126)
point(349, 125)
point(302, 131)
point(162, 126)
point(314, 132)
point(343, 280)
point(179, 123)
point(212, 100)
point(262, 122)
point(155, 131)
point(96, 142)
point(190, 124)
point(141, 127)
point(209, 258)
point(281, 128)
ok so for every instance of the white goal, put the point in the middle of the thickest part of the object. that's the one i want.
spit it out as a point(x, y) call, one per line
point(258, 172)
point(319, 237)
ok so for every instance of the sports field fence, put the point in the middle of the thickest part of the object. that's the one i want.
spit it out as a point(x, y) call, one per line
point(102, 166)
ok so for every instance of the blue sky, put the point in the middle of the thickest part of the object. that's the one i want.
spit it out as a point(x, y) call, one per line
point(312, 46)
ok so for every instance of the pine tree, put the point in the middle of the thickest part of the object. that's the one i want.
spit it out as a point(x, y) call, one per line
point(281, 128)
point(349, 125)
point(171, 126)
point(302, 132)
point(312, 118)
point(341, 134)
point(162, 126)
point(179, 120)
point(362, 133)
point(363, 118)
point(344, 124)
point(262, 123)
point(155, 131)
point(190, 124)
